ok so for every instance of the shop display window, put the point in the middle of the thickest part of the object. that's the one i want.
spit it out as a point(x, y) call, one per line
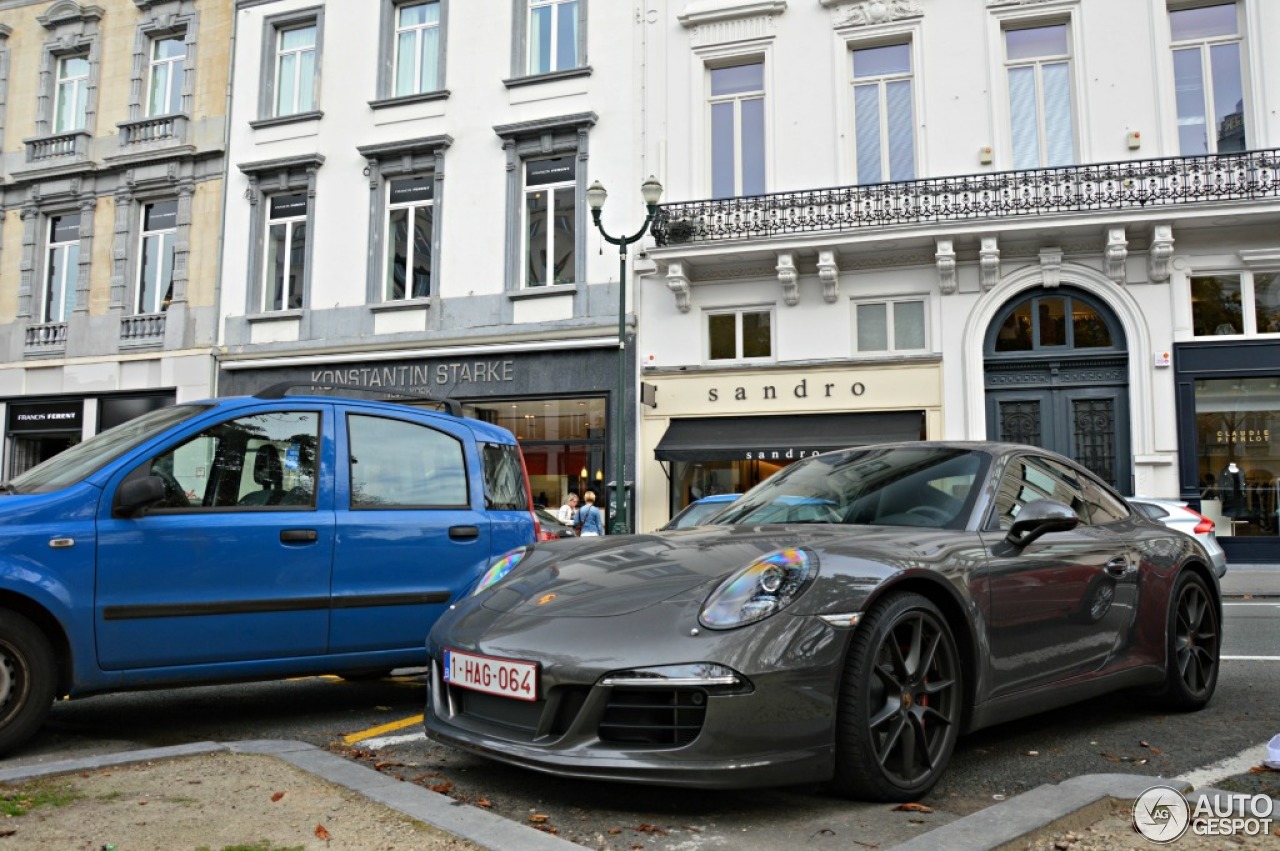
point(692, 480)
point(1247, 303)
point(1238, 453)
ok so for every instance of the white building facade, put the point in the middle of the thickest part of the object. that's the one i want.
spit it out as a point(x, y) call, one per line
point(1049, 221)
point(407, 211)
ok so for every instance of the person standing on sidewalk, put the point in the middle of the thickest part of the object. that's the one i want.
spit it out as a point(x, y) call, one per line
point(590, 519)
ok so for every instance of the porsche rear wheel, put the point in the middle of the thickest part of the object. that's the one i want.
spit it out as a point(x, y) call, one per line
point(1192, 662)
point(900, 702)
point(27, 679)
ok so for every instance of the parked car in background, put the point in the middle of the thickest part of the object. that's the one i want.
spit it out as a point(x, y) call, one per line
point(1177, 514)
point(246, 538)
point(550, 527)
point(700, 511)
point(844, 620)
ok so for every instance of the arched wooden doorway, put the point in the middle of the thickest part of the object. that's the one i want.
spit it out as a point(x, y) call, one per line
point(1056, 376)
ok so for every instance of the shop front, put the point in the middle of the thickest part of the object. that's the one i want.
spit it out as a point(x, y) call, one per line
point(714, 432)
point(1229, 441)
point(36, 429)
point(557, 402)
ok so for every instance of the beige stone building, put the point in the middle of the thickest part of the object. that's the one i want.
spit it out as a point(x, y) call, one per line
point(112, 135)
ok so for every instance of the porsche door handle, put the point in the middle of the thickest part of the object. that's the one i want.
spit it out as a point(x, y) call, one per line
point(298, 536)
point(1118, 566)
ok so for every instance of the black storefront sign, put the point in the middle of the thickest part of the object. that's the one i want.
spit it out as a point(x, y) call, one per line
point(783, 438)
point(45, 417)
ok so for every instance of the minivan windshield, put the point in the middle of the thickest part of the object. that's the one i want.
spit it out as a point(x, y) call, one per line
point(72, 465)
point(901, 485)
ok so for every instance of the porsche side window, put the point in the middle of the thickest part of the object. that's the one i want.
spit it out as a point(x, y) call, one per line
point(1104, 507)
point(1027, 479)
point(260, 461)
point(397, 464)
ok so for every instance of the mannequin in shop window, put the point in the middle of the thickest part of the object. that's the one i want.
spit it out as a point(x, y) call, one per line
point(1231, 486)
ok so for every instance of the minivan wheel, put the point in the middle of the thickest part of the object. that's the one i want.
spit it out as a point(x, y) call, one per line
point(27, 679)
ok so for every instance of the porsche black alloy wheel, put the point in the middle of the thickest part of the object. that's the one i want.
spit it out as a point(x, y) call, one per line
point(26, 679)
point(900, 702)
point(1194, 640)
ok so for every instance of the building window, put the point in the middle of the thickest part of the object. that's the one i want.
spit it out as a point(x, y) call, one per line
point(284, 268)
point(417, 40)
point(1040, 109)
point(550, 217)
point(164, 77)
point(740, 335)
point(1045, 323)
point(62, 268)
point(1237, 422)
point(737, 130)
point(295, 77)
point(889, 326)
point(71, 96)
point(1208, 79)
point(1243, 303)
point(882, 113)
point(409, 230)
point(155, 272)
point(553, 35)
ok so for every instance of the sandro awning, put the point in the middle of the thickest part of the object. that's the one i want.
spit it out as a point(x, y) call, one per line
point(783, 437)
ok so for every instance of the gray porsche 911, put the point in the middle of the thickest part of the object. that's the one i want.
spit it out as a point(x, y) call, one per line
point(845, 620)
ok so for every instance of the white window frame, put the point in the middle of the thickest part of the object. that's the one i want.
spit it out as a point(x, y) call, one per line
point(737, 99)
point(552, 48)
point(269, 283)
point(176, 66)
point(1037, 64)
point(167, 240)
point(422, 74)
point(569, 185)
point(78, 88)
point(57, 298)
point(413, 207)
point(295, 99)
point(738, 313)
point(1205, 45)
point(890, 305)
point(1248, 300)
point(881, 82)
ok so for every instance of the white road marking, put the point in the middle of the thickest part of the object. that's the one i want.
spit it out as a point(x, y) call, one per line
point(384, 741)
point(1224, 768)
point(1250, 658)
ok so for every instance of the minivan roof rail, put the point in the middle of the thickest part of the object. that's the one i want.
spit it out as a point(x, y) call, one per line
point(281, 389)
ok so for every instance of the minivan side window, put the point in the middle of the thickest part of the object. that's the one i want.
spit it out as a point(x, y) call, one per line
point(397, 464)
point(259, 461)
point(504, 488)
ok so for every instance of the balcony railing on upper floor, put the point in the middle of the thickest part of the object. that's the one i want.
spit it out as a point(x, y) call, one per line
point(159, 128)
point(1116, 186)
point(143, 329)
point(55, 146)
point(46, 338)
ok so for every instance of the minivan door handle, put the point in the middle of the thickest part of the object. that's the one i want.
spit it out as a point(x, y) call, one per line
point(464, 533)
point(299, 536)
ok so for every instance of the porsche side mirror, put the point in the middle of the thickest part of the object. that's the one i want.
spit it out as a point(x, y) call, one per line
point(136, 494)
point(1040, 517)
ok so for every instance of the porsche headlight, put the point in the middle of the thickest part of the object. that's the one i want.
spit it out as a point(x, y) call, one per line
point(765, 586)
point(500, 568)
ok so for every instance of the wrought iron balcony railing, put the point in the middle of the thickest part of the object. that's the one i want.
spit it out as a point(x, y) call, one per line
point(1116, 186)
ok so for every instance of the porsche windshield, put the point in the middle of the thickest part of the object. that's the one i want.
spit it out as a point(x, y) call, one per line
point(68, 467)
point(886, 486)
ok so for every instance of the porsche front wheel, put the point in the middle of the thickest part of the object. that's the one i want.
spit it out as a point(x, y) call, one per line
point(900, 702)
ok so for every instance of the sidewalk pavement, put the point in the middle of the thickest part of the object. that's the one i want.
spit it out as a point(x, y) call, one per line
point(990, 828)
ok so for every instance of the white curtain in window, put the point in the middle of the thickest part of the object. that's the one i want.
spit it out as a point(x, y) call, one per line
point(866, 105)
point(1023, 117)
point(902, 158)
point(1059, 130)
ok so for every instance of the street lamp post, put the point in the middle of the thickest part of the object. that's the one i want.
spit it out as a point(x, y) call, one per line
point(651, 190)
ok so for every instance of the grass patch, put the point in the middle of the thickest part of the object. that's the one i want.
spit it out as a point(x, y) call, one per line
point(262, 845)
point(24, 799)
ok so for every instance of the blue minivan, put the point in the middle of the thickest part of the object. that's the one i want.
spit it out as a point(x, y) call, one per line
point(246, 538)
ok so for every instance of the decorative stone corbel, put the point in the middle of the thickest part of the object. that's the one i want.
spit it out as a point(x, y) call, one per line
point(678, 283)
point(989, 262)
point(1051, 267)
point(1160, 253)
point(1117, 253)
point(829, 274)
point(946, 260)
point(789, 277)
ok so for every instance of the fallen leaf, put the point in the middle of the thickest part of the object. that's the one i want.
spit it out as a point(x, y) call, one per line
point(651, 828)
point(277, 796)
point(914, 808)
point(614, 831)
point(322, 833)
point(386, 763)
point(1144, 743)
point(484, 802)
point(8, 832)
point(1155, 751)
point(538, 818)
point(442, 788)
point(546, 828)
